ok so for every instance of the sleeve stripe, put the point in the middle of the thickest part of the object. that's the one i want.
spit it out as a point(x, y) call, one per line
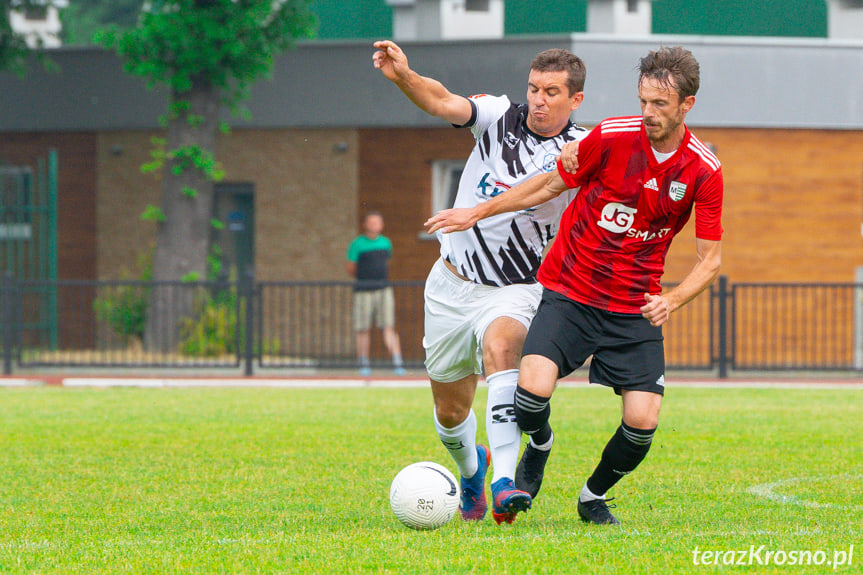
point(699, 148)
point(632, 124)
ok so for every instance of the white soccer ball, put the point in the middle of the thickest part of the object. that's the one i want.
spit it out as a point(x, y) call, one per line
point(424, 495)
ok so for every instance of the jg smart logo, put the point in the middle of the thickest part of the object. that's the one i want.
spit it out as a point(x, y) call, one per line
point(616, 217)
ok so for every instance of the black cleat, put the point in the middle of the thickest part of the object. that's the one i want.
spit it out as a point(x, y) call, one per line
point(596, 511)
point(530, 470)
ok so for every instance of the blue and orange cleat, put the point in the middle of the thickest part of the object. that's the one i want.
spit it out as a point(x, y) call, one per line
point(473, 503)
point(508, 501)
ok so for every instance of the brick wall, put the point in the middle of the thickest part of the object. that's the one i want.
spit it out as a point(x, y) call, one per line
point(305, 199)
point(793, 200)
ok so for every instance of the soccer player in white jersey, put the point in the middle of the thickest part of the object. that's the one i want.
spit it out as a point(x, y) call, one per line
point(482, 293)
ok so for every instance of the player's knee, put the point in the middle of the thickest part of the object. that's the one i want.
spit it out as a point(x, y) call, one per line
point(450, 414)
point(500, 353)
point(531, 411)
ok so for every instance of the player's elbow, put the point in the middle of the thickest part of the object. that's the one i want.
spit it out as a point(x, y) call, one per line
point(712, 265)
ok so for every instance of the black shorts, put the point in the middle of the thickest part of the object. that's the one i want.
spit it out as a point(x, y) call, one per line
point(628, 352)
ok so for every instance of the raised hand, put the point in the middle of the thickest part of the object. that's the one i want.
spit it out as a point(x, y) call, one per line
point(390, 60)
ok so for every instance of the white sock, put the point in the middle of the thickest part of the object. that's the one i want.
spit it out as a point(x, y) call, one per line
point(504, 436)
point(460, 441)
point(545, 446)
point(588, 495)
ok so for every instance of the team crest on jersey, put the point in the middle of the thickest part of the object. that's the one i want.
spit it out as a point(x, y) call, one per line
point(510, 140)
point(549, 163)
point(676, 191)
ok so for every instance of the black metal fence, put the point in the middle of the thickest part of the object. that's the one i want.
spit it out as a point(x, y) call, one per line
point(309, 324)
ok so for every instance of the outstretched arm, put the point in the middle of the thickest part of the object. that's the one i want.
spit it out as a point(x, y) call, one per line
point(428, 94)
point(533, 192)
point(658, 308)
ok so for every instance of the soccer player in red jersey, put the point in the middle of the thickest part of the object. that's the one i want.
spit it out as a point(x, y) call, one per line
point(638, 180)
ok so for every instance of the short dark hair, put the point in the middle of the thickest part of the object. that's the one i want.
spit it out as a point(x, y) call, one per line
point(560, 60)
point(675, 68)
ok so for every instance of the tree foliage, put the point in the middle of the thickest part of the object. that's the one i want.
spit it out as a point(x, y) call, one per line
point(230, 43)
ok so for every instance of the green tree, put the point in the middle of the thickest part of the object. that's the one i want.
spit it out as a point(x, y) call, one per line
point(208, 53)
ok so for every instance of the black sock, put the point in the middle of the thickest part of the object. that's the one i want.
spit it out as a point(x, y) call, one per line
point(532, 412)
point(624, 451)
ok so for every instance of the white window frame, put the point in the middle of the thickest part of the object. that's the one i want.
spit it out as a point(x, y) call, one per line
point(445, 178)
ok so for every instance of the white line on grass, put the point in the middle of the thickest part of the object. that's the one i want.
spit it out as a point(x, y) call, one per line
point(203, 382)
point(18, 382)
point(766, 490)
point(347, 382)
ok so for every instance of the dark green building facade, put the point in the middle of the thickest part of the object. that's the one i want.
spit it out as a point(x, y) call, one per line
point(367, 19)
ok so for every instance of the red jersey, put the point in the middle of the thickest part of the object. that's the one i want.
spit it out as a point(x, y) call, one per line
point(615, 234)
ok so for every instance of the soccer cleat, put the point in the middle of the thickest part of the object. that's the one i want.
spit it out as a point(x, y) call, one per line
point(473, 503)
point(399, 370)
point(596, 511)
point(530, 470)
point(365, 371)
point(507, 500)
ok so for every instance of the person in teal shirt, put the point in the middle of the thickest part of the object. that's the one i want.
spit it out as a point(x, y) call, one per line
point(374, 302)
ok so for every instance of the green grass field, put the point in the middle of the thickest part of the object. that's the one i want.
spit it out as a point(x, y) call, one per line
point(296, 481)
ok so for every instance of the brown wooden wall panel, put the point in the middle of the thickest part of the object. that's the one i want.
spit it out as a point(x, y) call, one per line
point(793, 206)
point(76, 192)
point(76, 212)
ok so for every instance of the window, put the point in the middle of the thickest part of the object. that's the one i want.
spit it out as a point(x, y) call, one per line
point(234, 206)
point(38, 13)
point(476, 5)
point(16, 184)
point(445, 177)
point(632, 6)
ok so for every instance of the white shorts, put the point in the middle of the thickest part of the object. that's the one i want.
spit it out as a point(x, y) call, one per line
point(458, 312)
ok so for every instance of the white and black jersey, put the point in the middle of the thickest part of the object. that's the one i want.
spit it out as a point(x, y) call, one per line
point(505, 249)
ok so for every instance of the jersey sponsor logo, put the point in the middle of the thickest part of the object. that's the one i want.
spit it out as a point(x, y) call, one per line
point(488, 189)
point(652, 185)
point(549, 163)
point(647, 235)
point(616, 217)
point(676, 191)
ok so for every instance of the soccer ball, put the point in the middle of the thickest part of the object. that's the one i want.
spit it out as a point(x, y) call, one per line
point(424, 495)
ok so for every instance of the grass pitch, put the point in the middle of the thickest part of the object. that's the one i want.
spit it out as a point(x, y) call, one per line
point(297, 480)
